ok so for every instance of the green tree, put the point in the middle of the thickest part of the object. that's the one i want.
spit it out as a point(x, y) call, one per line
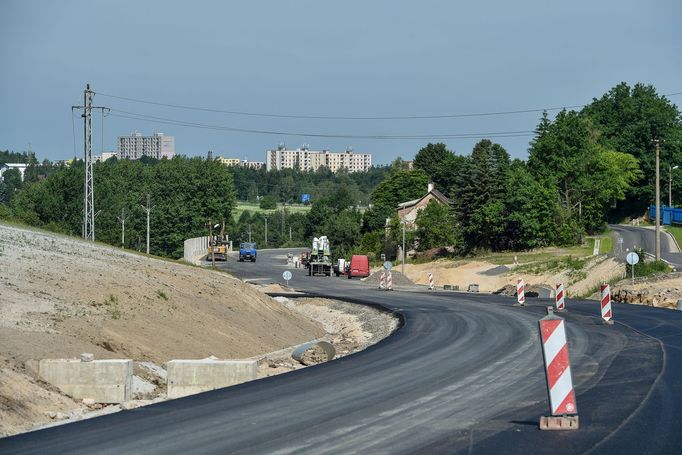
point(440, 164)
point(268, 202)
point(435, 226)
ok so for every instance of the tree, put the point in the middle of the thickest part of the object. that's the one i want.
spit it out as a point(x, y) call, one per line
point(628, 119)
point(435, 226)
point(268, 202)
point(400, 186)
point(439, 163)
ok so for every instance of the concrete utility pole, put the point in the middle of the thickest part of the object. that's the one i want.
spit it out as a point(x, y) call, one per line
point(88, 230)
point(123, 219)
point(266, 230)
point(148, 208)
point(658, 200)
point(671, 168)
point(211, 242)
point(249, 232)
point(402, 266)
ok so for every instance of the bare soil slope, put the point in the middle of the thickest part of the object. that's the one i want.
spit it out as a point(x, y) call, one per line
point(60, 296)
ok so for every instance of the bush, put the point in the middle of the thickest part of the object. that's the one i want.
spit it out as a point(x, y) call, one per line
point(268, 203)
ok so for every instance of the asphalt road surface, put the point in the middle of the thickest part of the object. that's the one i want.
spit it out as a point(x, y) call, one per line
point(462, 375)
point(645, 238)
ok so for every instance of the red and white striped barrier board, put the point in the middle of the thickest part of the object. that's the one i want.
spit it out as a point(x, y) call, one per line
point(557, 366)
point(389, 281)
point(382, 277)
point(560, 305)
point(606, 313)
point(431, 286)
point(520, 294)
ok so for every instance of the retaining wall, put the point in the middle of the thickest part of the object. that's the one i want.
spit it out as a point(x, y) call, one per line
point(105, 381)
point(187, 377)
point(195, 249)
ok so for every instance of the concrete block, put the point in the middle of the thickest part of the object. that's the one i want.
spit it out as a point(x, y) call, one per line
point(105, 381)
point(559, 423)
point(472, 288)
point(187, 377)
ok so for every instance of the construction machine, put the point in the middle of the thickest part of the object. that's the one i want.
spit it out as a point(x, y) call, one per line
point(218, 244)
point(320, 262)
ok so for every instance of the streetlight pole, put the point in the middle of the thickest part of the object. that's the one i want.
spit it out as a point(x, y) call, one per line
point(658, 200)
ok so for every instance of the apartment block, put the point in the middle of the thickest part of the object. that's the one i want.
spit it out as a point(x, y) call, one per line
point(305, 159)
point(136, 146)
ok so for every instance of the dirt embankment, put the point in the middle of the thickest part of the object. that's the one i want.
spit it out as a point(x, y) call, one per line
point(491, 277)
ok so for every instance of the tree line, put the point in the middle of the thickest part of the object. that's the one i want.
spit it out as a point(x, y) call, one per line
point(584, 168)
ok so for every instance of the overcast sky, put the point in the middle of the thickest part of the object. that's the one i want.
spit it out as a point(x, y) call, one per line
point(317, 58)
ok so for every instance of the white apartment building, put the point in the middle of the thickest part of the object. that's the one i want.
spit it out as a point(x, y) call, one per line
point(136, 146)
point(305, 159)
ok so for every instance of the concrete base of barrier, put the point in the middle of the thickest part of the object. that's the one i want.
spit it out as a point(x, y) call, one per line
point(104, 381)
point(559, 423)
point(187, 377)
point(605, 322)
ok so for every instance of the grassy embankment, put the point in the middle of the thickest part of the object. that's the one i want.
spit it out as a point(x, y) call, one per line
point(251, 207)
point(676, 232)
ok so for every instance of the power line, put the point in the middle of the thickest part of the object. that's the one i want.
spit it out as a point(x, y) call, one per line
point(363, 117)
point(169, 121)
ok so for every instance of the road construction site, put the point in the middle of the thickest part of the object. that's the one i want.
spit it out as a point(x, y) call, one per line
point(462, 373)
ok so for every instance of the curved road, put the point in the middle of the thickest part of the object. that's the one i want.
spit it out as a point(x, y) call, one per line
point(645, 238)
point(462, 375)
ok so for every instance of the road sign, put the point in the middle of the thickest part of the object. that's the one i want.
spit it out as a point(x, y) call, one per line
point(388, 265)
point(287, 276)
point(632, 258)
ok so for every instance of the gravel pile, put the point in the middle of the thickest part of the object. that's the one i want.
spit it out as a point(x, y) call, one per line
point(398, 279)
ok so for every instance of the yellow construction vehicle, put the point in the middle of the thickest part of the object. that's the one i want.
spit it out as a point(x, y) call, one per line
point(217, 244)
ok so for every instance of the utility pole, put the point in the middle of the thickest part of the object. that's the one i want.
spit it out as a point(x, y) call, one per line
point(249, 232)
point(402, 266)
point(123, 219)
point(211, 242)
point(88, 230)
point(290, 233)
point(671, 168)
point(266, 230)
point(658, 200)
point(148, 208)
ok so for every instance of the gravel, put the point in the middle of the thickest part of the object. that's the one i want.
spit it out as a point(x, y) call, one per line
point(398, 279)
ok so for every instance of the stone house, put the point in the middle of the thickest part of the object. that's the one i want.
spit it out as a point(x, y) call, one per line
point(407, 211)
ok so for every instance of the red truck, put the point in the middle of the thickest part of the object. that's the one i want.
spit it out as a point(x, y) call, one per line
point(359, 266)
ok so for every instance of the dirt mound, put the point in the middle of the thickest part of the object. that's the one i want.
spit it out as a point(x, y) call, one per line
point(398, 279)
point(62, 296)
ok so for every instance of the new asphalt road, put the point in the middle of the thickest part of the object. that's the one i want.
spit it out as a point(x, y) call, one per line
point(645, 238)
point(462, 375)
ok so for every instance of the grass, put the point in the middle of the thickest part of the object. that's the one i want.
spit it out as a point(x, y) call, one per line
point(606, 245)
point(676, 232)
point(253, 207)
point(162, 295)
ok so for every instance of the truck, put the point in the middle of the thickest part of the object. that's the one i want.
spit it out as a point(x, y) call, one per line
point(247, 250)
point(359, 266)
point(218, 244)
point(320, 262)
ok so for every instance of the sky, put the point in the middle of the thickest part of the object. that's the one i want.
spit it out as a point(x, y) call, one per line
point(288, 60)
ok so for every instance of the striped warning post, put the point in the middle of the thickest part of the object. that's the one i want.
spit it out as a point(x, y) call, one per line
point(560, 305)
point(431, 286)
point(606, 313)
point(389, 281)
point(520, 293)
point(557, 366)
point(382, 277)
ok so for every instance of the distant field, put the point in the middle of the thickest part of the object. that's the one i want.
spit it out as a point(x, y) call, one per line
point(243, 206)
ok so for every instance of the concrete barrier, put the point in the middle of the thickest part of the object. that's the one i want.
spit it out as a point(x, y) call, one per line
point(105, 381)
point(194, 249)
point(187, 377)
